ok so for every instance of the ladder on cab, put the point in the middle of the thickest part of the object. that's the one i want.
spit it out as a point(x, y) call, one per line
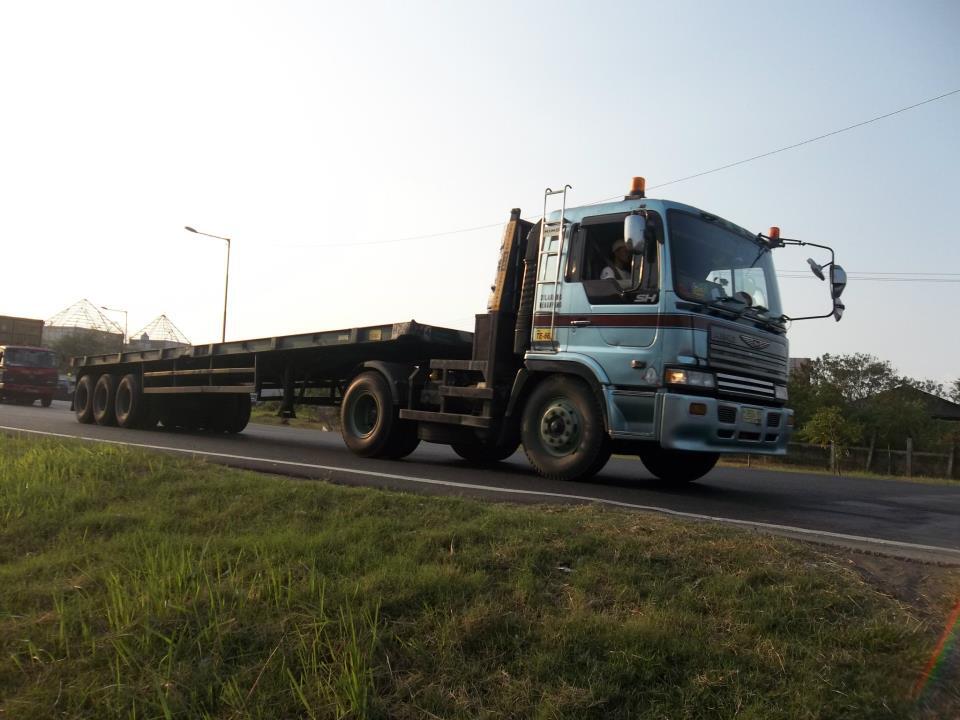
point(543, 337)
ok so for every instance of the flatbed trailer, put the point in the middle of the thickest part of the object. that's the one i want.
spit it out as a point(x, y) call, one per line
point(641, 326)
point(209, 386)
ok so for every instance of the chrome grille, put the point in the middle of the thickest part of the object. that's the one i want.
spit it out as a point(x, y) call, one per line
point(739, 386)
point(729, 351)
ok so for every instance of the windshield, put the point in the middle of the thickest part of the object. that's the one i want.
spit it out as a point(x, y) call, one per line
point(713, 259)
point(23, 357)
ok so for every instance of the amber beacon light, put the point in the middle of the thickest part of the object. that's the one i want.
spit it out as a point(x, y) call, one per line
point(638, 188)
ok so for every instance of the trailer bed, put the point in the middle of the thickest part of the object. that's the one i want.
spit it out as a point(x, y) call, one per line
point(307, 360)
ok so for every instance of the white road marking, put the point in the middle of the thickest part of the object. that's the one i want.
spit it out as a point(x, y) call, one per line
point(516, 491)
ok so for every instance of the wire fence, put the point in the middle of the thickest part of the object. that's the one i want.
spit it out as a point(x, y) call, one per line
point(882, 461)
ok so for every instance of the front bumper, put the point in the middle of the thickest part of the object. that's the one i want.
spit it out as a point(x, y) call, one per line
point(726, 427)
point(9, 388)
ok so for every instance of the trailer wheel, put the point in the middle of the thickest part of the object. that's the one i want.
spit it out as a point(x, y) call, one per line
point(370, 424)
point(679, 466)
point(237, 414)
point(83, 400)
point(104, 400)
point(483, 454)
point(129, 402)
point(562, 430)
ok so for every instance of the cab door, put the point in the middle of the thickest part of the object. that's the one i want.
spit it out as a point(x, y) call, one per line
point(614, 322)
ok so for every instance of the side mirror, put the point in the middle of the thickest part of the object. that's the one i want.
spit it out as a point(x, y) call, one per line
point(838, 281)
point(816, 269)
point(838, 308)
point(634, 227)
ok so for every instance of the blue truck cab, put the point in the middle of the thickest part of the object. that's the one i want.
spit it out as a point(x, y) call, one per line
point(673, 315)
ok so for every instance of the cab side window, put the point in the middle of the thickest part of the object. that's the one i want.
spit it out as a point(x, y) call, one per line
point(610, 272)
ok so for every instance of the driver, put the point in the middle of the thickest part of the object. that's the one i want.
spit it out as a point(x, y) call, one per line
point(619, 269)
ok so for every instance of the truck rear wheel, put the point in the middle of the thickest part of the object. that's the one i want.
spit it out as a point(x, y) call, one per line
point(483, 454)
point(238, 414)
point(46, 401)
point(83, 399)
point(562, 430)
point(680, 466)
point(369, 422)
point(104, 400)
point(129, 405)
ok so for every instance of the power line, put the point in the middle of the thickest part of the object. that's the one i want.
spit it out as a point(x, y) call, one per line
point(803, 142)
point(664, 184)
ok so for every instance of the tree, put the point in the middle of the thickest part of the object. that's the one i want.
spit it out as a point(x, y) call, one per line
point(829, 428)
point(846, 379)
point(82, 342)
point(953, 392)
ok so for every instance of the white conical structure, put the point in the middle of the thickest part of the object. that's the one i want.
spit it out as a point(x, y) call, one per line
point(160, 333)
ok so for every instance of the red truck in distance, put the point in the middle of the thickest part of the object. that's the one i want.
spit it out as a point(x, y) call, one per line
point(27, 374)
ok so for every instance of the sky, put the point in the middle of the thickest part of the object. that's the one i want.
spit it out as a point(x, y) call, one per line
point(317, 136)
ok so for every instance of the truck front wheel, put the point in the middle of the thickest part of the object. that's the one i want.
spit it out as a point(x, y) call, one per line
point(680, 466)
point(562, 430)
point(369, 422)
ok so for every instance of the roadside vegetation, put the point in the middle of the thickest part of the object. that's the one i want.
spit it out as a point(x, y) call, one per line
point(875, 419)
point(139, 585)
point(309, 416)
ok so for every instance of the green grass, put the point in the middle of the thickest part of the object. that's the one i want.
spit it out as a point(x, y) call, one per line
point(308, 416)
point(140, 586)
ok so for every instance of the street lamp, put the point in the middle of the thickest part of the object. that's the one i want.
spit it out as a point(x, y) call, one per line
point(226, 283)
point(124, 340)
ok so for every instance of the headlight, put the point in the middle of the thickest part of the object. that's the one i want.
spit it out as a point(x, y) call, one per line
point(780, 392)
point(692, 378)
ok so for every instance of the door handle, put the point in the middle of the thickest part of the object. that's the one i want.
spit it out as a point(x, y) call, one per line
point(579, 323)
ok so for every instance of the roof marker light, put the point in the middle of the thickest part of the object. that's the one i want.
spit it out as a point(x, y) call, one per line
point(638, 189)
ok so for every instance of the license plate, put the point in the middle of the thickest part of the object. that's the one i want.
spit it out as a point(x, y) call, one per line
point(753, 416)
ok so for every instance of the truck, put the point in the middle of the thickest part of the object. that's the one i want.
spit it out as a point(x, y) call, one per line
point(643, 327)
point(28, 372)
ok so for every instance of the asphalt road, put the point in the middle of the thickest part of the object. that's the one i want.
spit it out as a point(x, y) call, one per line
point(903, 519)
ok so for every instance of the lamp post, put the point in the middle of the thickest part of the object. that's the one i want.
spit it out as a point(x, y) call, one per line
point(226, 283)
point(124, 340)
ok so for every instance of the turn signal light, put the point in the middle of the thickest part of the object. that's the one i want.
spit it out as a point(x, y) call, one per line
point(698, 409)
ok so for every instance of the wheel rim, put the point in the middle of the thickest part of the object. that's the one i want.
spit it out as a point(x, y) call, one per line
point(560, 427)
point(364, 415)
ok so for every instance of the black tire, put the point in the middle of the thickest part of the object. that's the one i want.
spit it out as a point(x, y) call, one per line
point(404, 441)
point(129, 402)
point(370, 423)
point(46, 401)
point(562, 430)
point(483, 454)
point(679, 466)
point(83, 399)
point(104, 400)
point(237, 414)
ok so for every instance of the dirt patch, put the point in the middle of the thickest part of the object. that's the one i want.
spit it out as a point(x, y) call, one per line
point(931, 592)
